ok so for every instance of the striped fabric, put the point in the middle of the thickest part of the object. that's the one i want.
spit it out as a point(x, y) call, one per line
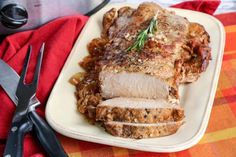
point(220, 137)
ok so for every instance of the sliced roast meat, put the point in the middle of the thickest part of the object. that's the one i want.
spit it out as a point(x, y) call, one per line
point(141, 130)
point(138, 110)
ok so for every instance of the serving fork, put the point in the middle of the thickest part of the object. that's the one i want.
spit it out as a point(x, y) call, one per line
point(26, 119)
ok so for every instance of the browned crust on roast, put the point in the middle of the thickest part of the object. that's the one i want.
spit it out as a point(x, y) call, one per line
point(146, 11)
point(139, 132)
point(198, 43)
point(195, 56)
point(108, 19)
point(125, 11)
point(194, 52)
point(138, 115)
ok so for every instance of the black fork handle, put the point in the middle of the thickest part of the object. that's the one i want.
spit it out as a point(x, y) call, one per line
point(46, 136)
point(14, 146)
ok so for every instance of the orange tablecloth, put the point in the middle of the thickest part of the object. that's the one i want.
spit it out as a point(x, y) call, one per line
point(220, 137)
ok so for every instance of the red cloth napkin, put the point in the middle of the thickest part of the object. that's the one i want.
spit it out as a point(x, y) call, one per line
point(205, 6)
point(59, 37)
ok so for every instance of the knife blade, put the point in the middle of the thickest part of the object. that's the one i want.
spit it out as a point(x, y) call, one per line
point(9, 81)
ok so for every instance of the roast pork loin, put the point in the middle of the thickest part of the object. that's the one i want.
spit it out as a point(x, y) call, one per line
point(134, 92)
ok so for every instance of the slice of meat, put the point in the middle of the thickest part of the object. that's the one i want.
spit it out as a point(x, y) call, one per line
point(137, 110)
point(136, 85)
point(141, 130)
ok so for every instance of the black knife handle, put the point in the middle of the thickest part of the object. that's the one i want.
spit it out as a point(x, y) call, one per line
point(46, 136)
point(14, 146)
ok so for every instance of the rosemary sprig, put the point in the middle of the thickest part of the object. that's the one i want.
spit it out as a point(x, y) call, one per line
point(143, 35)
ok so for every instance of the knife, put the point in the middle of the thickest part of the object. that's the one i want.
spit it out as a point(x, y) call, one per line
point(9, 81)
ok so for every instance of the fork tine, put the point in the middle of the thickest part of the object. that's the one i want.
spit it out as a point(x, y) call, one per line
point(25, 67)
point(38, 66)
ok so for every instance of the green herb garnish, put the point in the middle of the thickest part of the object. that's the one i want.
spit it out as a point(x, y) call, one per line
point(143, 35)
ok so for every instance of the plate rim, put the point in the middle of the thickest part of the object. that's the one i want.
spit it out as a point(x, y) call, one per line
point(137, 146)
